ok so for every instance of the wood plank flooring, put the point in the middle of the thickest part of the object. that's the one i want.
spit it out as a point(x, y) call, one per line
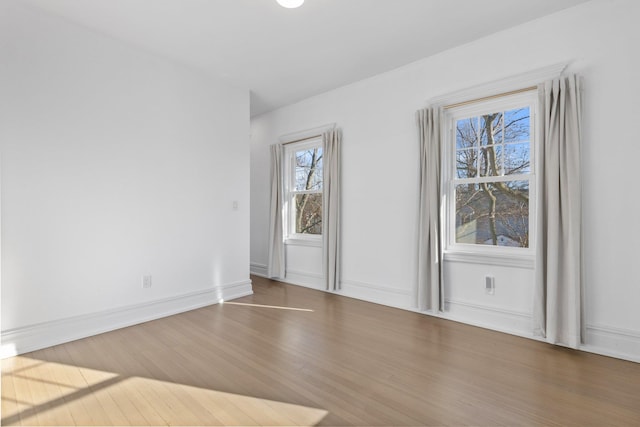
point(293, 356)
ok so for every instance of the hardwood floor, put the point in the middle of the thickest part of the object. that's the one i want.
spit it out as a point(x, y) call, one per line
point(314, 358)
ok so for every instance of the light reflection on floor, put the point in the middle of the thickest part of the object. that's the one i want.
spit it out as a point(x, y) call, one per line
point(36, 392)
point(278, 307)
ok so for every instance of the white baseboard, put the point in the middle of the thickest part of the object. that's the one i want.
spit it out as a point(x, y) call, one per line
point(305, 278)
point(34, 337)
point(258, 269)
point(497, 319)
point(398, 298)
point(613, 342)
point(603, 340)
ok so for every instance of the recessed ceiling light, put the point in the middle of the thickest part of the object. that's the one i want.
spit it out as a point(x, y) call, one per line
point(290, 4)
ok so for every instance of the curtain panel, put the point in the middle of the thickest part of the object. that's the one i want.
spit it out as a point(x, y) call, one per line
point(276, 265)
point(558, 299)
point(429, 295)
point(331, 142)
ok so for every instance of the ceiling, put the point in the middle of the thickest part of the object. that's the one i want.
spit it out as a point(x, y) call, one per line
point(285, 55)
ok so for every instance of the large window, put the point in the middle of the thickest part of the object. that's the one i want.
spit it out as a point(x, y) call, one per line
point(304, 188)
point(489, 176)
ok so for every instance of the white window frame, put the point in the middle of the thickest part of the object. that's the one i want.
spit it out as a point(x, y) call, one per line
point(478, 253)
point(290, 149)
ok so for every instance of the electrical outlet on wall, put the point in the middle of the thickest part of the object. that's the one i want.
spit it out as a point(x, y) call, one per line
point(489, 285)
point(146, 282)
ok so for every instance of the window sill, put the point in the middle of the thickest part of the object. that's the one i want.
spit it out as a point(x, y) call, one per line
point(304, 242)
point(501, 259)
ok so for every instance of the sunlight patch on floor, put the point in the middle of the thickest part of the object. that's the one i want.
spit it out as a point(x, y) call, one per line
point(36, 392)
point(266, 306)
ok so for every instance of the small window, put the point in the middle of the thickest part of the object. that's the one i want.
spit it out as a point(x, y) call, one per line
point(490, 173)
point(304, 188)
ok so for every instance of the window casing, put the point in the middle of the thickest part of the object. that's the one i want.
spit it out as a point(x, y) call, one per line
point(303, 189)
point(489, 177)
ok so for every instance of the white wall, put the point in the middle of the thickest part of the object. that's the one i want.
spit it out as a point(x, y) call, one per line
point(380, 170)
point(115, 164)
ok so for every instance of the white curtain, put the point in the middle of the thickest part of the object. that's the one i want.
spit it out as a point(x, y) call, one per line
point(331, 142)
point(558, 301)
point(429, 293)
point(276, 266)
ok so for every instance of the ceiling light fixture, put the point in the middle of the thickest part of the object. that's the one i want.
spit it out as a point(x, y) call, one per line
point(290, 4)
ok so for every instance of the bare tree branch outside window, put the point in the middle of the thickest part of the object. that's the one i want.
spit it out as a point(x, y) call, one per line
point(491, 180)
point(307, 194)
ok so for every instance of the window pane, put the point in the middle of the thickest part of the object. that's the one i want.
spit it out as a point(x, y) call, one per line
point(517, 125)
point(466, 133)
point(516, 159)
point(309, 169)
point(491, 129)
point(491, 160)
point(308, 218)
point(466, 163)
point(493, 213)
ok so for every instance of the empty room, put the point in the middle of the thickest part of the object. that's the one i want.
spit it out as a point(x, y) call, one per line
point(319, 212)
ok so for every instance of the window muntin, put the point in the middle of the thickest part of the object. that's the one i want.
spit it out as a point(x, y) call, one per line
point(490, 178)
point(304, 189)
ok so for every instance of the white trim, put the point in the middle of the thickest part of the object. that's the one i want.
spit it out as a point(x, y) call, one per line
point(348, 283)
point(313, 241)
point(289, 189)
point(377, 294)
point(506, 84)
point(614, 342)
point(258, 269)
point(489, 253)
point(514, 315)
point(502, 311)
point(306, 279)
point(499, 259)
point(34, 337)
point(494, 318)
point(603, 340)
point(308, 274)
point(308, 133)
